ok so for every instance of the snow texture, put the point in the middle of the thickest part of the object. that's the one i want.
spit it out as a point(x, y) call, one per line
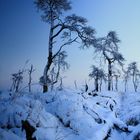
point(71, 115)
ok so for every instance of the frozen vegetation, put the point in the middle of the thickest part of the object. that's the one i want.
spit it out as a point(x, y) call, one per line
point(67, 114)
point(70, 115)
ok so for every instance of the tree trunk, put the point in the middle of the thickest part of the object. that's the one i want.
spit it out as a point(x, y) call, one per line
point(112, 84)
point(29, 130)
point(134, 83)
point(45, 88)
point(50, 59)
point(125, 85)
point(100, 85)
point(116, 85)
point(109, 75)
point(96, 84)
point(29, 84)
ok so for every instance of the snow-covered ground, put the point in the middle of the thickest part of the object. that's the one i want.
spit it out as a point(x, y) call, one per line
point(71, 115)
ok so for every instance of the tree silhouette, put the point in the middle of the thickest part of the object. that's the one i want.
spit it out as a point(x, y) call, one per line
point(17, 80)
point(63, 31)
point(135, 73)
point(30, 71)
point(98, 75)
point(108, 47)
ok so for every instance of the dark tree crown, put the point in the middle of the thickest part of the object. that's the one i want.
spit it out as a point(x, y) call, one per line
point(52, 9)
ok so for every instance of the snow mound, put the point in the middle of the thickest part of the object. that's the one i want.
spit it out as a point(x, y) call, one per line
point(69, 115)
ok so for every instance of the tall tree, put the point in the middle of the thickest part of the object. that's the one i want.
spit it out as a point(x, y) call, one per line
point(30, 71)
point(108, 47)
point(63, 31)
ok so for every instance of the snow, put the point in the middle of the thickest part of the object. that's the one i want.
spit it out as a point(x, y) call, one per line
point(7, 135)
point(71, 115)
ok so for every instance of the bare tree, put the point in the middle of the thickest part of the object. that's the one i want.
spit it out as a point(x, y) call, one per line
point(17, 80)
point(30, 71)
point(135, 73)
point(98, 75)
point(63, 31)
point(108, 47)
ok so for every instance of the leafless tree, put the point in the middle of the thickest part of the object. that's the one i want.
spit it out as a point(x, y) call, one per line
point(30, 71)
point(17, 80)
point(63, 31)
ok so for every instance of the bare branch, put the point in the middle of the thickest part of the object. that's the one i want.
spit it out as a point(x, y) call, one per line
point(60, 48)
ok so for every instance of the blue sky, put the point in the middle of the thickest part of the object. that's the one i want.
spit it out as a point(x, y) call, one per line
point(24, 36)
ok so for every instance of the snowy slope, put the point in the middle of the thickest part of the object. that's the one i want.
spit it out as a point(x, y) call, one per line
point(70, 115)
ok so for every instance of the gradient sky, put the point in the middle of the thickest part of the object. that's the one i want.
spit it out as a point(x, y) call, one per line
point(24, 36)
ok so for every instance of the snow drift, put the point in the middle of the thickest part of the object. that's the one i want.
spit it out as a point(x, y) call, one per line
point(70, 115)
